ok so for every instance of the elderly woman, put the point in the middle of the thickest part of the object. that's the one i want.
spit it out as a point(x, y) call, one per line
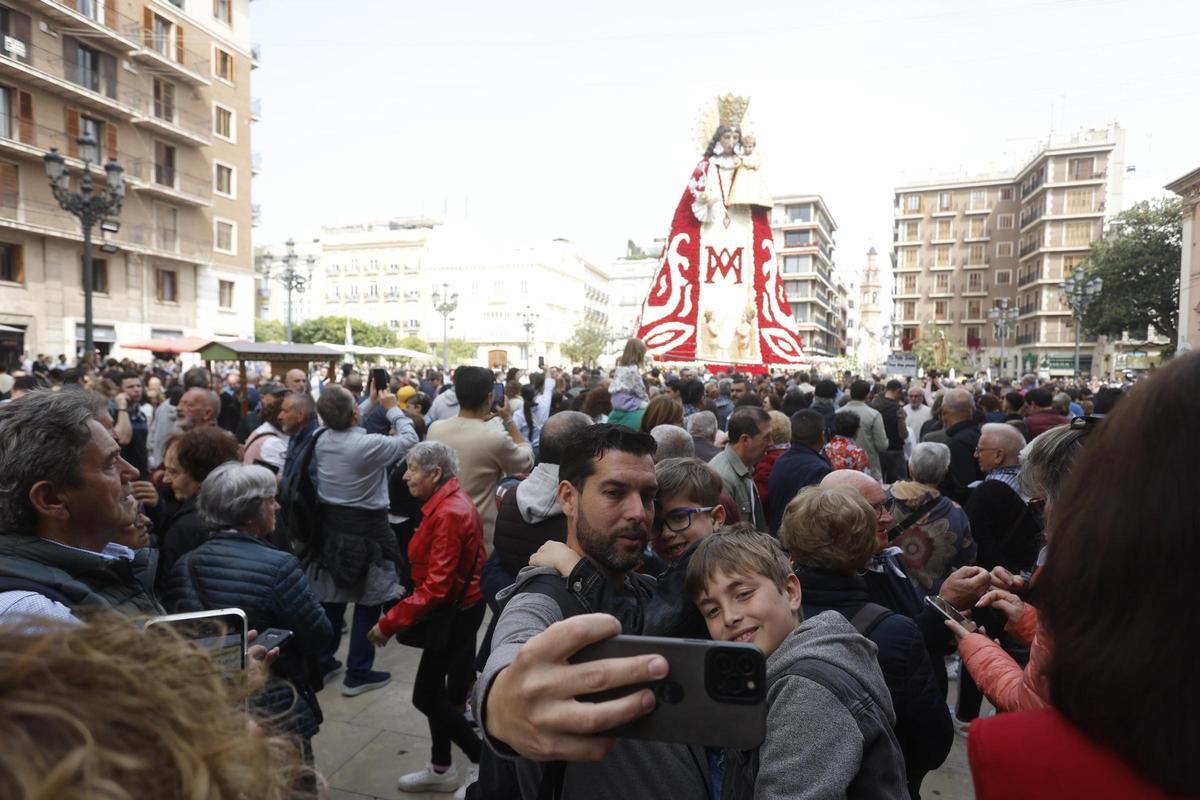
point(1045, 464)
point(931, 530)
point(190, 458)
point(238, 568)
point(831, 535)
point(446, 554)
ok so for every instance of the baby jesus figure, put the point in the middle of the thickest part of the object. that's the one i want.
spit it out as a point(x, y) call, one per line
point(749, 185)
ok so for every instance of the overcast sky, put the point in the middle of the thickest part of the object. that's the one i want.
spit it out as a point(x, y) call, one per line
point(577, 120)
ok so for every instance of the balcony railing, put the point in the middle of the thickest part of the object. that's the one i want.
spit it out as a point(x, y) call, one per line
point(1026, 249)
point(165, 177)
point(1032, 216)
point(256, 109)
point(85, 81)
point(979, 288)
point(1032, 186)
point(163, 241)
point(1026, 338)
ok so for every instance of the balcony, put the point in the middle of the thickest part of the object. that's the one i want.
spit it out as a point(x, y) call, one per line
point(946, 290)
point(174, 123)
point(256, 163)
point(976, 263)
point(113, 30)
point(984, 233)
point(1026, 278)
point(978, 210)
point(256, 110)
point(1032, 216)
point(255, 56)
point(1026, 338)
point(28, 63)
point(168, 182)
point(1028, 248)
point(1031, 186)
point(975, 289)
point(255, 214)
point(160, 54)
point(935, 267)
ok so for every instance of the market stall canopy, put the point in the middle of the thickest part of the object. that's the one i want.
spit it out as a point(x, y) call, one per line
point(387, 352)
point(182, 344)
point(267, 351)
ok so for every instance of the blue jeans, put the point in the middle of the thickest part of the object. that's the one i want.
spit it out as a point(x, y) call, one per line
point(362, 653)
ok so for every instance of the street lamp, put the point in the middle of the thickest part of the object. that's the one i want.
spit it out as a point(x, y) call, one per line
point(293, 280)
point(528, 320)
point(1003, 320)
point(444, 304)
point(1079, 294)
point(90, 207)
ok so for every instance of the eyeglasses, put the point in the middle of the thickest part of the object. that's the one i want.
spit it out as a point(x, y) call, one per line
point(678, 520)
point(979, 450)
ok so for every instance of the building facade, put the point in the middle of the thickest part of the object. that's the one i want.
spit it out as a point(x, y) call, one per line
point(803, 230)
point(866, 339)
point(1188, 188)
point(964, 245)
point(164, 89)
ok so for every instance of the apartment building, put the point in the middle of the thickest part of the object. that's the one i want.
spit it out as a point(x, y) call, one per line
point(163, 86)
point(964, 244)
point(803, 230)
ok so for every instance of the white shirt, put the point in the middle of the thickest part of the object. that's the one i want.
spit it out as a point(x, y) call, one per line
point(915, 418)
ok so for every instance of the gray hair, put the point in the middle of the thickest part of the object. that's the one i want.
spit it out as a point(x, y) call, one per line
point(211, 398)
point(958, 403)
point(702, 425)
point(232, 495)
point(725, 387)
point(429, 456)
point(336, 408)
point(304, 404)
point(1008, 437)
point(1047, 460)
point(929, 462)
point(673, 442)
point(43, 435)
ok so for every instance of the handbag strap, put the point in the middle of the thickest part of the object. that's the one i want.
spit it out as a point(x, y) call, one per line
point(911, 519)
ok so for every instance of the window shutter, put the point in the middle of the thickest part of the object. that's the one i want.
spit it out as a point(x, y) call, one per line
point(9, 185)
point(110, 139)
point(110, 13)
point(19, 262)
point(71, 59)
point(108, 74)
point(25, 117)
point(72, 132)
point(19, 27)
point(148, 27)
point(179, 43)
point(158, 284)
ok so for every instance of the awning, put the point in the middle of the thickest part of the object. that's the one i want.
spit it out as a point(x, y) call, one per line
point(182, 344)
point(267, 351)
point(394, 352)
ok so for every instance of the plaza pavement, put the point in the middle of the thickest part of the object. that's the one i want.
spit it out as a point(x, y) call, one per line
point(367, 742)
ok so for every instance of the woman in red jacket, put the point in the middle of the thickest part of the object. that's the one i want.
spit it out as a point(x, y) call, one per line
point(1116, 599)
point(446, 554)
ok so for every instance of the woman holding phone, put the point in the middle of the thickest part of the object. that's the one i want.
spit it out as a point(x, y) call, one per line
point(446, 554)
point(239, 568)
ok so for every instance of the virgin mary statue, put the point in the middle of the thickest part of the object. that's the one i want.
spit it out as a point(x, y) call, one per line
point(717, 296)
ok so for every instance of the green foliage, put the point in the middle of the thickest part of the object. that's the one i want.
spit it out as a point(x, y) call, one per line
point(461, 350)
point(415, 343)
point(269, 331)
point(1139, 262)
point(586, 344)
point(934, 349)
point(333, 330)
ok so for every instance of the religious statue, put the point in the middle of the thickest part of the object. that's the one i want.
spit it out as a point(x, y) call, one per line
point(719, 273)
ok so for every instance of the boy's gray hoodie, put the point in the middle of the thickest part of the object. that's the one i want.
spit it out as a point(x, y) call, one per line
point(829, 721)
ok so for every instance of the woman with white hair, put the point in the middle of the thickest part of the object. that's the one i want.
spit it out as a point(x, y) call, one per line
point(931, 530)
point(239, 568)
point(446, 554)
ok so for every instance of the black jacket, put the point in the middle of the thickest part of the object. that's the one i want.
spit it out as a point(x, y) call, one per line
point(922, 718)
point(1006, 530)
point(964, 469)
point(799, 466)
point(236, 570)
point(516, 540)
point(889, 409)
point(182, 532)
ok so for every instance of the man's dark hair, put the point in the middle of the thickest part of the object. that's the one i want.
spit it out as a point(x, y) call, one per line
point(72, 376)
point(129, 376)
point(559, 430)
point(746, 421)
point(353, 383)
point(197, 378)
point(26, 383)
point(1039, 397)
point(581, 450)
point(825, 389)
point(808, 427)
point(893, 385)
point(674, 384)
point(42, 438)
point(336, 407)
point(691, 392)
point(846, 423)
point(473, 387)
point(859, 390)
point(202, 450)
point(1106, 399)
point(795, 400)
point(1014, 400)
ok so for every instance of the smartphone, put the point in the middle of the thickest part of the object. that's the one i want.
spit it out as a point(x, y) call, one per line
point(273, 637)
point(379, 377)
point(950, 612)
point(714, 693)
point(222, 632)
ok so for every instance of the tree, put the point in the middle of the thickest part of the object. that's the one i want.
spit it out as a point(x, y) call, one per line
point(934, 349)
point(1139, 262)
point(586, 345)
point(269, 331)
point(460, 350)
point(415, 343)
point(333, 330)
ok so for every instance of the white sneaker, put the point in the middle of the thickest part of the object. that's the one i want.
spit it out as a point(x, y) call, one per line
point(429, 781)
point(472, 776)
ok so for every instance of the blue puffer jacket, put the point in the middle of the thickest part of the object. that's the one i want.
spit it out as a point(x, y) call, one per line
point(237, 570)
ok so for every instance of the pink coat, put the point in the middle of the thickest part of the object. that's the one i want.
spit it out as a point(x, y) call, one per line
point(999, 677)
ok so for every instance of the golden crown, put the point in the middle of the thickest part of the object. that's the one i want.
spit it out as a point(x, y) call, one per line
point(727, 109)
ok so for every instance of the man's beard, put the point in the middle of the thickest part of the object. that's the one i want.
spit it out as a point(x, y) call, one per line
point(602, 547)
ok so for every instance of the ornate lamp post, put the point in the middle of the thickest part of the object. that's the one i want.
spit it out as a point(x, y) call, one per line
point(1079, 294)
point(528, 321)
point(1004, 320)
point(445, 303)
point(90, 207)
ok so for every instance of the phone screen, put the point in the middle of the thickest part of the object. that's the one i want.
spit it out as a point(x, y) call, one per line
point(380, 378)
point(223, 635)
point(950, 612)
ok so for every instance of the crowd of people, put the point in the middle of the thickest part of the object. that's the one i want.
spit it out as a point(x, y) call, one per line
point(501, 522)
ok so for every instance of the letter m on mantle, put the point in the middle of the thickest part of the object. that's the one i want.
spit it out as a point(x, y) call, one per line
point(724, 262)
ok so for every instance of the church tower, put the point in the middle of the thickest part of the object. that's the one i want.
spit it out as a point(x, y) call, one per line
point(870, 322)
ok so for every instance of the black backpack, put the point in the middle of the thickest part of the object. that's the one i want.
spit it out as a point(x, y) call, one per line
point(298, 496)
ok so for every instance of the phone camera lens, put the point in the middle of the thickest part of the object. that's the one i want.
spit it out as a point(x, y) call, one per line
point(746, 665)
point(723, 663)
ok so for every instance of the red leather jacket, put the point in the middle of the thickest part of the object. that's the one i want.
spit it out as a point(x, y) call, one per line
point(1039, 754)
point(446, 550)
